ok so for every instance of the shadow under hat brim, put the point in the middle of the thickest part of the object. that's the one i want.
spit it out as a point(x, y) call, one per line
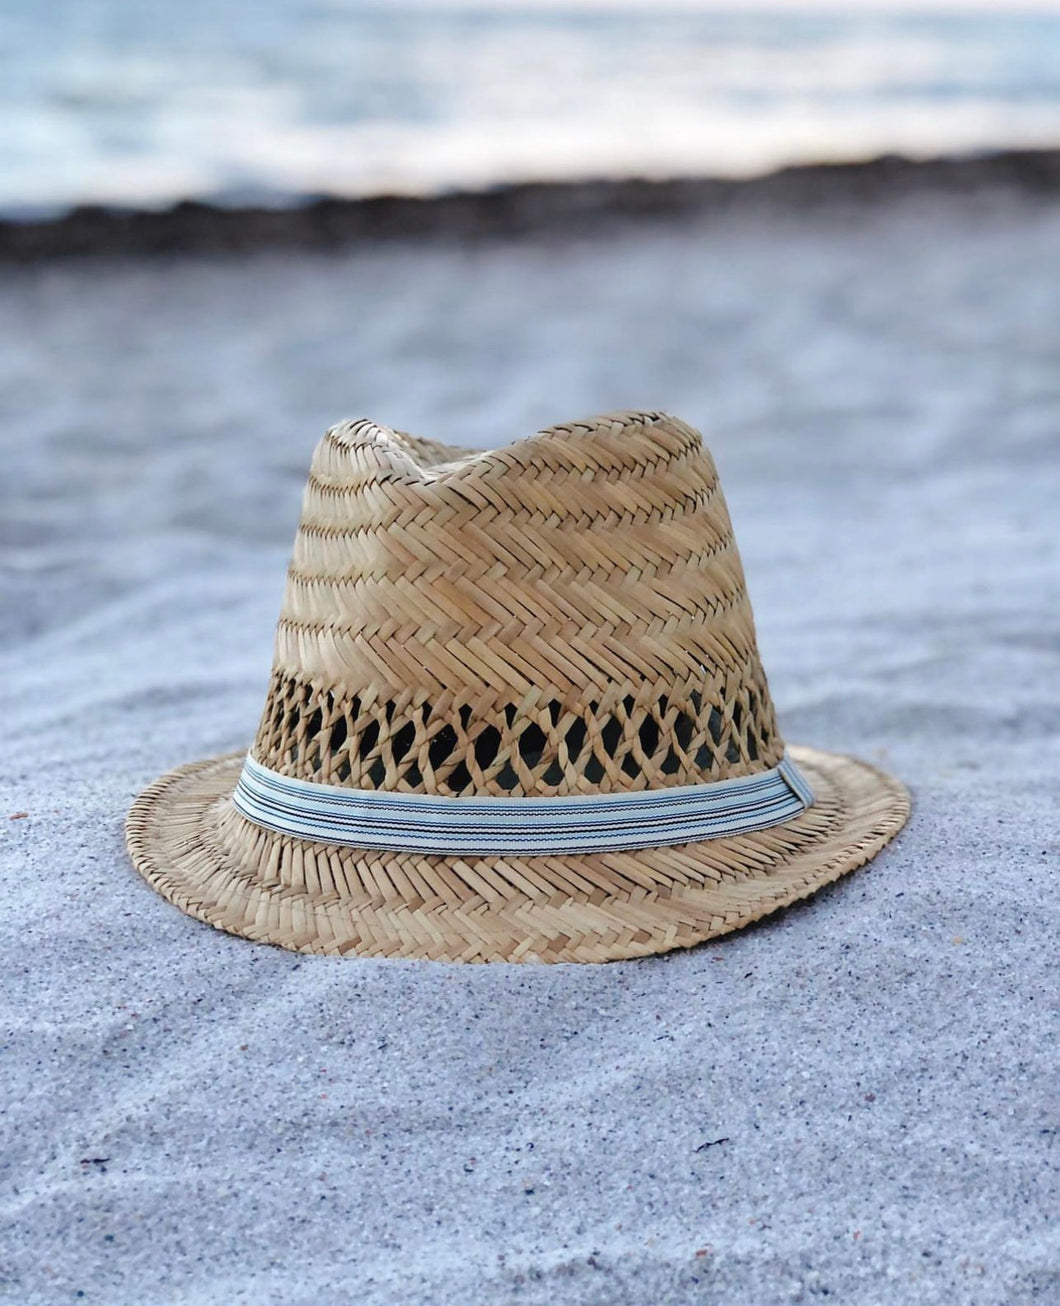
point(188, 841)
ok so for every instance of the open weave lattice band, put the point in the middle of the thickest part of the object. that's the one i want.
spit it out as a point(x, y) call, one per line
point(494, 826)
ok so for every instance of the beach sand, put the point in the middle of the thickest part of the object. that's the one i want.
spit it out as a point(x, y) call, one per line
point(855, 1100)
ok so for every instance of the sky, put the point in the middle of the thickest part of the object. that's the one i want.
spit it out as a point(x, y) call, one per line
point(1012, 7)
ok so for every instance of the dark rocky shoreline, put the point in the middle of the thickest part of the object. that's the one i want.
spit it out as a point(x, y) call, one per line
point(509, 209)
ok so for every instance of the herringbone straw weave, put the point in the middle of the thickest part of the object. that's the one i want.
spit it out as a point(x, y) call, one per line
point(564, 616)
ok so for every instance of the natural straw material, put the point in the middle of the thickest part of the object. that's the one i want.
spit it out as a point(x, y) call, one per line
point(564, 616)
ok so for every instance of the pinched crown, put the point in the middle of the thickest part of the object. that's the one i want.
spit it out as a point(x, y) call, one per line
point(564, 615)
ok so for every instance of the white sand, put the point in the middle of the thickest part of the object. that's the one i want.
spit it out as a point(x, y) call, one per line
point(190, 1118)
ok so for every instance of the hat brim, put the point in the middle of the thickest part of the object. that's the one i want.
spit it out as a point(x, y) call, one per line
point(189, 843)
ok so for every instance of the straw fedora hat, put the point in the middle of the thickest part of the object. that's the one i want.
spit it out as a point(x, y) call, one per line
point(516, 713)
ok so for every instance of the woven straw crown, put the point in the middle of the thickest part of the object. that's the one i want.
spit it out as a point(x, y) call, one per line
point(564, 616)
point(562, 621)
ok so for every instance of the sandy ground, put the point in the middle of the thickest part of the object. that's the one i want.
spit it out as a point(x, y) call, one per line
point(856, 1100)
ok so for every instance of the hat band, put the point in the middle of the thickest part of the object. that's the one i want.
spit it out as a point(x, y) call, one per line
point(486, 826)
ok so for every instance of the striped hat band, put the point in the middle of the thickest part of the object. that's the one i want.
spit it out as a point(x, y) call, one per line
point(488, 826)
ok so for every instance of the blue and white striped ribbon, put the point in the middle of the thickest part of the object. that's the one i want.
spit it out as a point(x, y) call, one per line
point(530, 827)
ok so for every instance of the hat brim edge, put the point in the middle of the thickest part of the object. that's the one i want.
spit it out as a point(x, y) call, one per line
point(173, 846)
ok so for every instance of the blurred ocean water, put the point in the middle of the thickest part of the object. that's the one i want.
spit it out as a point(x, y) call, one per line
point(146, 101)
